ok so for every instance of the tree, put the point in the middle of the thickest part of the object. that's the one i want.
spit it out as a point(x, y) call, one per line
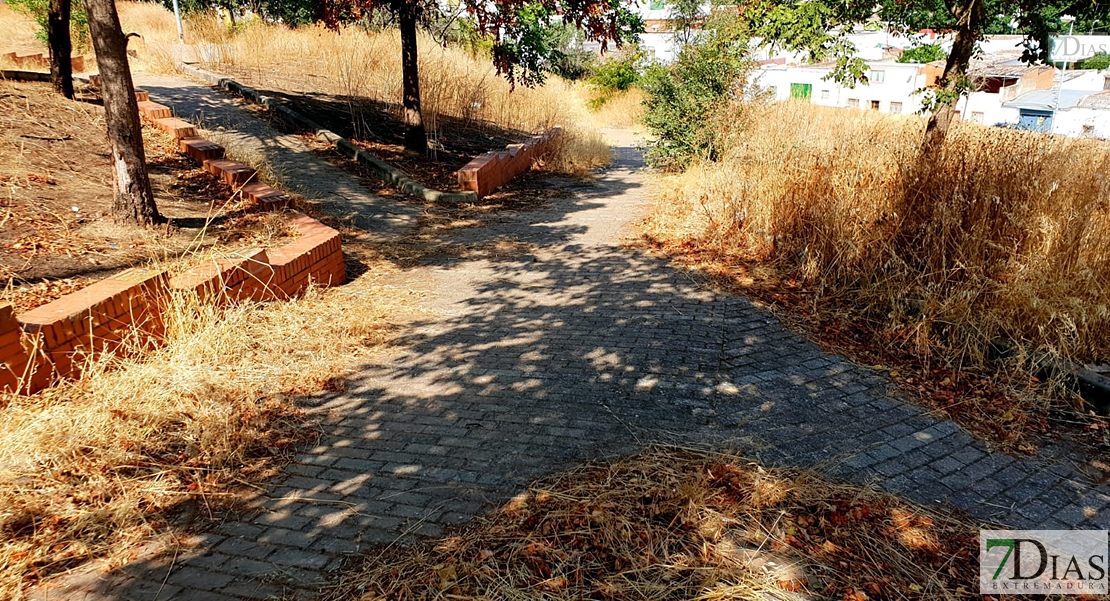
point(134, 199)
point(57, 35)
point(59, 26)
point(923, 53)
point(1100, 61)
point(522, 48)
point(685, 17)
point(821, 27)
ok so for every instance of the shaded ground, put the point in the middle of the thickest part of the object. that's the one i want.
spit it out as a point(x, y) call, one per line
point(566, 348)
point(377, 127)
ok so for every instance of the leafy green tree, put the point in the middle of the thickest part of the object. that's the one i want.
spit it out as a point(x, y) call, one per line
point(685, 17)
point(686, 99)
point(923, 53)
point(522, 47)
point(820, 28)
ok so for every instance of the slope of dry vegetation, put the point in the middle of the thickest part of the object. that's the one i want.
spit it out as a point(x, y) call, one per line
point(676, 524)
point(89, 469)
point(1003, 236)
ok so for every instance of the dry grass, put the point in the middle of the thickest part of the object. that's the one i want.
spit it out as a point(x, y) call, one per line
point(621, 110)
point(354, 62)
point(17, 32)
point(89, 469)
point(676, 524)
point(577, 152)
point(1004, 235)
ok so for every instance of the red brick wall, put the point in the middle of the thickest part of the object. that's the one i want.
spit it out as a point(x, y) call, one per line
point(56, 337)
point(492, 170)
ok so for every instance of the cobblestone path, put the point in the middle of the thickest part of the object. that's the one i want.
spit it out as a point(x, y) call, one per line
point(583, 349)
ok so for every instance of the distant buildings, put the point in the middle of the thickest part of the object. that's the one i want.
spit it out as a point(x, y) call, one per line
point(1009, 92)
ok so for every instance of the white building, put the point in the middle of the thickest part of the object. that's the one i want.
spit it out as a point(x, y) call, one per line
point(890, 88)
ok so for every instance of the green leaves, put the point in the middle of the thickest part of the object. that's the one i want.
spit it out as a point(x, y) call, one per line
point(686, 99)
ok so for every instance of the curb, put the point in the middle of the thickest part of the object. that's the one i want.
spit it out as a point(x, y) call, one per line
point(1092, 386)
point(343, 146)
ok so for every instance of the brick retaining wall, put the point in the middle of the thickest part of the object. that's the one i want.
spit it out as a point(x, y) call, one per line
point(51, 341)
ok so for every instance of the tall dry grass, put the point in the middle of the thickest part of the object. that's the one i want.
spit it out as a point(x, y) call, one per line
point(1002, 235)
point(88, 469)
point(356, 62)
point(17, 32)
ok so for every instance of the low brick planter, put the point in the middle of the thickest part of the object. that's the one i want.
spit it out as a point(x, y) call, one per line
point(492, 170)
point(51, 342)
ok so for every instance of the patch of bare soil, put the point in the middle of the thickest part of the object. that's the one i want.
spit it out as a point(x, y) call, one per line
point(56, 229)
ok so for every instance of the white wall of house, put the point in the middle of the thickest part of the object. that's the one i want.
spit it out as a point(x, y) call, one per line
point(1083, 123)
point(891, 88)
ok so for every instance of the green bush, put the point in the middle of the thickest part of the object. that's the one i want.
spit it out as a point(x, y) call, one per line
point(613, 76)
point(924, 53)
point(1100, 61)
point(39, 10)
point(685, 99)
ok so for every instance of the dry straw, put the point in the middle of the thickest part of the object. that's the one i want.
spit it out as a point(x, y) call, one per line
point(1001, 235)
point(90, 468)
point(678, 524)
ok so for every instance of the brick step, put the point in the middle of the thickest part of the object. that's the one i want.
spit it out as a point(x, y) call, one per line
point(232, 172)
point(266, 197)
point(200, 149)
point(176, 127)
point(140, 95)
point(153, 110)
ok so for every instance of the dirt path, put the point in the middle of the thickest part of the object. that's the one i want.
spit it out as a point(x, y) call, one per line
point(582, 349)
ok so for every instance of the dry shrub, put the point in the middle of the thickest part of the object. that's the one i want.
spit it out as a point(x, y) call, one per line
point(1003, 235)
point(90, 468)
point(577, 152)
point(676, 524)
point(621, 110)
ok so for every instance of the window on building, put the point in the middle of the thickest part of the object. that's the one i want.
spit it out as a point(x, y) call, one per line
point(801, 90)
point(874, 105)
point(976, 117)
point(657, 5)
point(896, 107)
point(824, 94)
point(877, 77)
point(853, 103)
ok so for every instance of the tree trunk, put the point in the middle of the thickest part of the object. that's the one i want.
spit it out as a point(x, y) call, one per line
point(134, 200)
point(969, 17)
point(415, 138)
point(57, 34)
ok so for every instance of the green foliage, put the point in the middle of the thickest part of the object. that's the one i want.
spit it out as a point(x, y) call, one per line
point(923, 53)
point(569, 60)
point(613, 76)
point(684, 16)
point(1100, 61)
point(617, 74)
point(39, 10)
point(685, 100)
